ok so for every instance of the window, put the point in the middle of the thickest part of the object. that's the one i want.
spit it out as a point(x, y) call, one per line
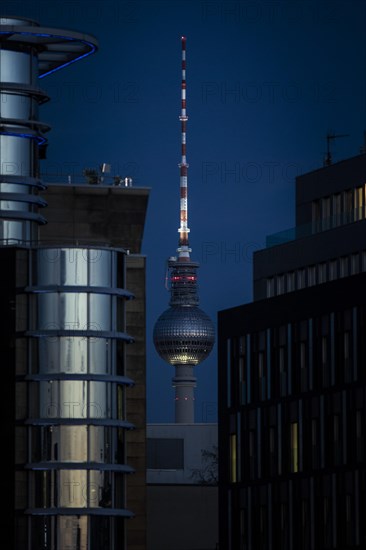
point(165, 454)
point(243, 528)
point(300, 278)
point(252, 455)
point(326, 522)
point(324, 360)
point(333, 270)
point(325, 213)
point(261, 375)
point(280, 284)
point(294, 447)
point(337, 208)
point(316, 216)
point(311, 275)
point(233, 464)
point(282, 369)
point(290, 281)
point(363, 260)
point(303, 367)
point(242, 380)
point(358, 203)
point(355, 264)
point(322, 273)
point(314, 443)
point(270, 287)
point(336, 440)
point(343, 267)
point(359, 436)
point(272, 450)
point(347, 206)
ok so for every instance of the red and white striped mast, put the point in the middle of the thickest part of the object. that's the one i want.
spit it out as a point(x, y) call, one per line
point(183, 250)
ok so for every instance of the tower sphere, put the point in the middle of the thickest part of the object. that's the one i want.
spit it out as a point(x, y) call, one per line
point(184, 335)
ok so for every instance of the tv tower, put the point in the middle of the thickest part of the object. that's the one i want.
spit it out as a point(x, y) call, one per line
point(183, 334)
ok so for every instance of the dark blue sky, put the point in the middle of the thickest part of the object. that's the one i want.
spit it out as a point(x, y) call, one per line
point(266, 81)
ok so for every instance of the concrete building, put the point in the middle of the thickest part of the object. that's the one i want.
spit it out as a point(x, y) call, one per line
point(182, 493)
point(114, 216)
point(64, 334)
point(292, 395)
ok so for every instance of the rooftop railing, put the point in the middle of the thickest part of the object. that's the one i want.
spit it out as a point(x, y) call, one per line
point(315, 227)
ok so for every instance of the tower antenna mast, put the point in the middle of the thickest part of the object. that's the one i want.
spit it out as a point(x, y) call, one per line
point(183, 250)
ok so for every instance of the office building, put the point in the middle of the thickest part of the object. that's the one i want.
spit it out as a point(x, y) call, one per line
point(292, 382)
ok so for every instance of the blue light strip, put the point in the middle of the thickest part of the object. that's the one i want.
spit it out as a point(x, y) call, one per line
point(70, 39)
point(40, 139)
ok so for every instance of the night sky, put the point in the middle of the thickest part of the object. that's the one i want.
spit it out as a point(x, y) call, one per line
point(267, 80)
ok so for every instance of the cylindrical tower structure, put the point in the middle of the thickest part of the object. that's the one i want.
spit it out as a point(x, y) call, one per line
point(27, 52)
point(183, 334)
point(71, 395)
point(64, 347)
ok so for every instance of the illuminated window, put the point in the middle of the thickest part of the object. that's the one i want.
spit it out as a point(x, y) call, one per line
point(294, 447)
point(358, 203)
point(233, 461)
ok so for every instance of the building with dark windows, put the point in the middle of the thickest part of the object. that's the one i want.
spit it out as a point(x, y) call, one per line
point(292, 398)
point(64, 328)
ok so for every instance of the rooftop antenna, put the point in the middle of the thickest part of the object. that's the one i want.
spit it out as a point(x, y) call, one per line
point(330, 137)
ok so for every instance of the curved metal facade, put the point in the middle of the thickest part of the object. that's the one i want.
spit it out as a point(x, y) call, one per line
point(70, 443)
point(20, 136)
point(27, 53)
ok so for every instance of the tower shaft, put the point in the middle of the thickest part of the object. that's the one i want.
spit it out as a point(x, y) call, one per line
point(184, 383)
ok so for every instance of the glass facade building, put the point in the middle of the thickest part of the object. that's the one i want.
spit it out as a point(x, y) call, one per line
point(71, 385)
point(292, 390)
point(63, 329)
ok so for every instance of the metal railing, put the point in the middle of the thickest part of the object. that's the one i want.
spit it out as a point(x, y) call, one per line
point(316, 226)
